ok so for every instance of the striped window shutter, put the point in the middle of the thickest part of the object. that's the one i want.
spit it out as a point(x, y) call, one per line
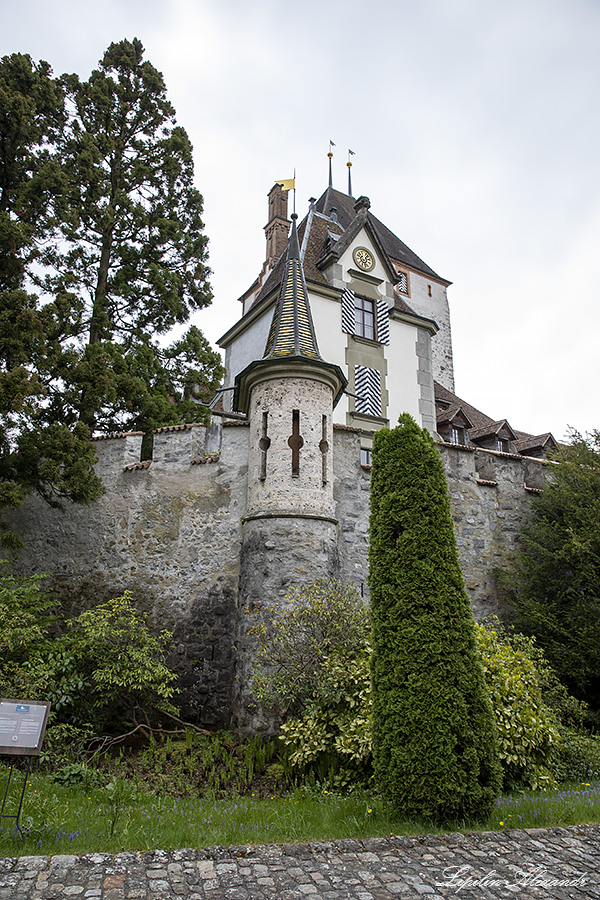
point(367, 387)
point(383, 322)
point(348, 316)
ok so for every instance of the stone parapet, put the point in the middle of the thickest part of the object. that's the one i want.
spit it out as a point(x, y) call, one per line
point(116, 451)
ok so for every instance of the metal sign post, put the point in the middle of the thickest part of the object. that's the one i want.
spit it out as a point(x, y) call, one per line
point(22, 728)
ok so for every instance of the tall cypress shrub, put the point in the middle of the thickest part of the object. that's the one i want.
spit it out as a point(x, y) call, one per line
point(434, 740)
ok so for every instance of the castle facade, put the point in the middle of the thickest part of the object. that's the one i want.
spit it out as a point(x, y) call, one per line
point(344, 329)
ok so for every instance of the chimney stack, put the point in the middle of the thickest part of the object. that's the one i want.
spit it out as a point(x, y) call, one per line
point(278, 226)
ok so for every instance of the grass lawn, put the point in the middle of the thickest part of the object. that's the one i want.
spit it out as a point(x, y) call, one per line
point(118, 815)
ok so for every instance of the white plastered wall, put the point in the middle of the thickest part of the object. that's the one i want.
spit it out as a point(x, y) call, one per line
point(327, 318)
point(248, 346)
point(435, 307)
point(347, 261)
point(402, 382)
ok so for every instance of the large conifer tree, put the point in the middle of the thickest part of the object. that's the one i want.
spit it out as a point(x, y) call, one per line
point(102, 253)
point(556, 584)
point(434, 743)
point(132, 252)
point(36, 451)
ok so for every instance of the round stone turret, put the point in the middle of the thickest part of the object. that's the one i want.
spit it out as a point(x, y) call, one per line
point(289, 532)
point(289, 396)
point(291, 436)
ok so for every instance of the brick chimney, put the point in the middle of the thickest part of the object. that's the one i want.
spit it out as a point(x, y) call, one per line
point(278, 226)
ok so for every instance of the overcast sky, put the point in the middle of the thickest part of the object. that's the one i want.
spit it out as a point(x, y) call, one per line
point(475, 125)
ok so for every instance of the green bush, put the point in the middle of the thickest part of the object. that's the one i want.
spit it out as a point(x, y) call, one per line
point(541, 734)
point(555, 582)
point(527, 727)
point(577, 756)
point(106, 670)
point(112, 666)
point(331, 742)
point(434, 739)
point(23, 615)
point(24, 620)
point(312, 668)
point(294, 645)
point(328, 739)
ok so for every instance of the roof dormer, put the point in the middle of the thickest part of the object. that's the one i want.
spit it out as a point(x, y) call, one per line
point(497, 436)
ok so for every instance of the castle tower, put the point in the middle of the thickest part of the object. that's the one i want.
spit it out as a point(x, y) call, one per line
point(289, 532)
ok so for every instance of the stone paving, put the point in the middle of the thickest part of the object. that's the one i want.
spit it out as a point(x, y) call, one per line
point(556, 862)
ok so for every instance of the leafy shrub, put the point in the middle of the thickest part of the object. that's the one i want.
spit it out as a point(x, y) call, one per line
point(77, 774)
point(332, 740)
point(318, 620)
point(328, 739)
point(555, 582)
point(577, 756)
point(527, 727)
point(541, 733)
point(313, 669)
point(106, 669)
point(113, 666)
point(23, 606)
point(65, 744)
point(24, 620)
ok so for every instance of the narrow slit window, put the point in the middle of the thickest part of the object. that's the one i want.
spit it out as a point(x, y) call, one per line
point(324, 448)
point(264, 444)
point(295, 442)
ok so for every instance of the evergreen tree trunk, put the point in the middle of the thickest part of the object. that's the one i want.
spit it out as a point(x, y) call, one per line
point(434, 739)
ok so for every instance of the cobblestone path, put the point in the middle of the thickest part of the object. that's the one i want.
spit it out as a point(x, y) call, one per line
point(555, 862)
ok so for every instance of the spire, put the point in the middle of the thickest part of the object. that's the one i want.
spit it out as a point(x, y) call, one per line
point(292, 331)
point(330, 155)
point(349, 164)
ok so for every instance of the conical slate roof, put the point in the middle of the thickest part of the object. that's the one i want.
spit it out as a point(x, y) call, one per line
point(292, 331)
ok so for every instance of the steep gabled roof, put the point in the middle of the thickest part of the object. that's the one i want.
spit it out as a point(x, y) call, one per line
point(491, 430)
point(453, 412)
point(536, 442)
point(360, 222)
point(346, 218)
point(292, 331)
point(393, 246)
point(484, 425)
point(478, 418)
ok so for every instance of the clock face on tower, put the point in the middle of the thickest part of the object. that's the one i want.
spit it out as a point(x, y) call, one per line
point(363, 259)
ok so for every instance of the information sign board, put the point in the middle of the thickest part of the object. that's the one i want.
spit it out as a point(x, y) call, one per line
point(22, 726)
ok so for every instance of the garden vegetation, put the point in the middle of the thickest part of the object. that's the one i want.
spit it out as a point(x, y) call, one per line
point(120, 770)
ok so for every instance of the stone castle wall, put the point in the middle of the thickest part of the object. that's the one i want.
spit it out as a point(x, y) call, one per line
point(170, 533)
point(174, 533)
